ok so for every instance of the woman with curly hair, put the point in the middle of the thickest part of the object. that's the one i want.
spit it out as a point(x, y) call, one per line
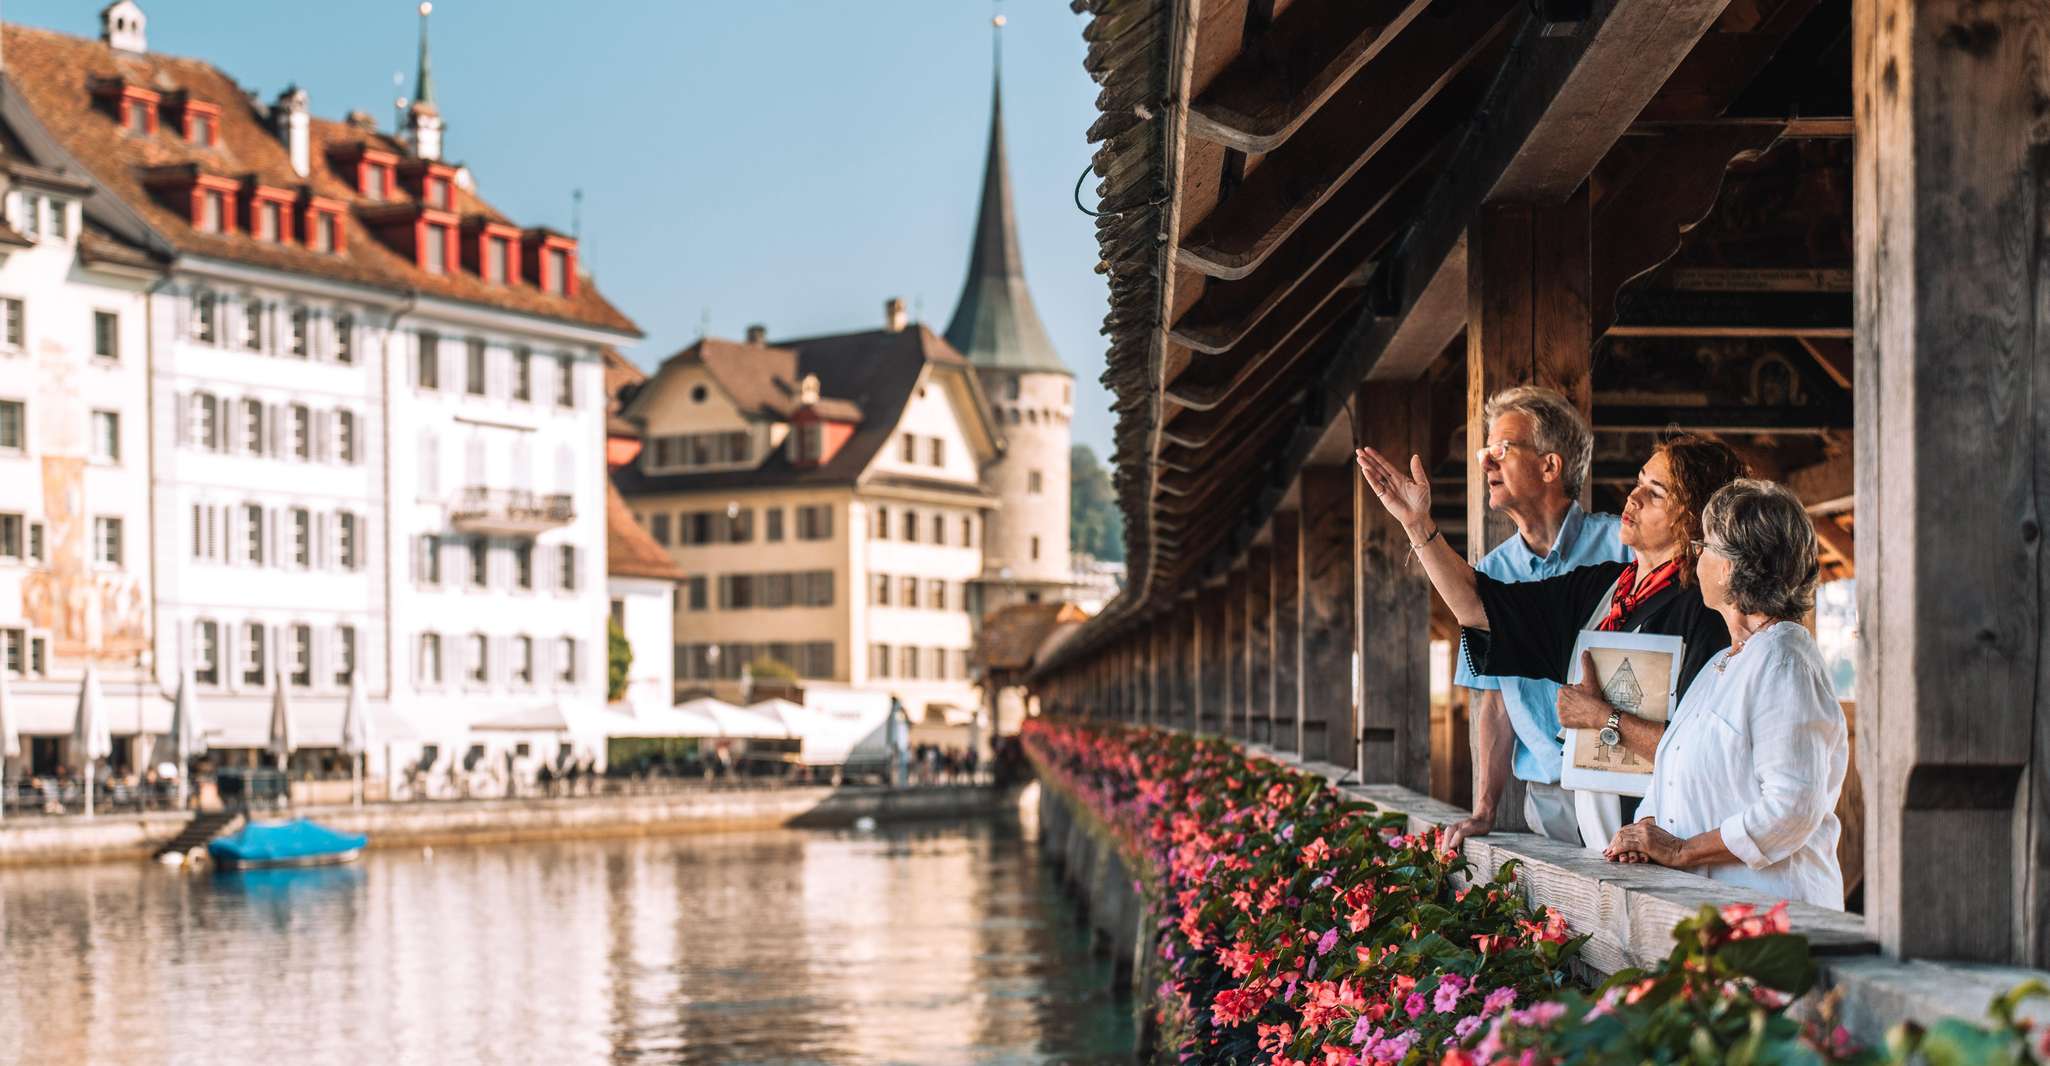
point(1528, 629)
point(1746, 782)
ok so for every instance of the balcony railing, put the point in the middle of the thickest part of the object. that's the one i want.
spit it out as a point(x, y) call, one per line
point(510, 512)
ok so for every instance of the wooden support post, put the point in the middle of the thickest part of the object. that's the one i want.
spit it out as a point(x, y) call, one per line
point(1393, 635)
point(1326, 605)
point(1260, 644)
point(1211, 706)
point(1528, 323)
point(1236, 723)
point(1286, 623)
point(1185, 663)
point(1952, 383)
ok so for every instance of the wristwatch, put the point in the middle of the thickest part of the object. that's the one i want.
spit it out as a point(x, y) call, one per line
point(1612, 732)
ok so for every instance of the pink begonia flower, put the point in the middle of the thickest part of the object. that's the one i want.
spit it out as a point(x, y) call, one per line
point(1447, 996)
point(1415, 1004)
point(1499, 999)
point(1328, 941)
point(1466, 1027)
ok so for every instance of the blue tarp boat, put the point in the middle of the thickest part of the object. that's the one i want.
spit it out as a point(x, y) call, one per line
point(294, 843)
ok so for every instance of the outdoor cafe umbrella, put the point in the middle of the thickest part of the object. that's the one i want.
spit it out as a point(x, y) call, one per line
point(89, 739)
point(356, 736)
point(281, 742)
point(10, 741)
point(186, 739)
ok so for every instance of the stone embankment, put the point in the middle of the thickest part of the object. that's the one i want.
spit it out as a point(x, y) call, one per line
point(135, 836)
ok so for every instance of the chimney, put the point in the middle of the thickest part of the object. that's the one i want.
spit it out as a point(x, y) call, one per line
point(758, 334)
point(121, 26)
point(361, 122)
point(808, 391)
point(288, 119)
point(894, 318)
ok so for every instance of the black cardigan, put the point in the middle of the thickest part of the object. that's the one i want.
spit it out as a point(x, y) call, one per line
point(1533, 624)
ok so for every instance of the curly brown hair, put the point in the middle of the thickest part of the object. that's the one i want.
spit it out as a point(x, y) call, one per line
point(1701, 466)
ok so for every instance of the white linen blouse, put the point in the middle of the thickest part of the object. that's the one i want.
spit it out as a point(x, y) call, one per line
point(1758, 749)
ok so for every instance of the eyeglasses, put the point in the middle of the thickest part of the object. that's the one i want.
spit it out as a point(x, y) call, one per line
point(1499, 450)
point(1709, 545)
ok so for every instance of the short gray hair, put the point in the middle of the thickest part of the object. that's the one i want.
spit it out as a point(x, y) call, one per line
point(1765, 532)
point(1560, 429)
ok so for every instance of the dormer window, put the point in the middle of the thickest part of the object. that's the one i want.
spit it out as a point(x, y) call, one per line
point(434, 247)
point(554, 259)
point(198, 121)
point(269, 213)
point(208, 200)
point(133, 106)
point(321, 224)
point(491, 249)
point(497, 256)
point(213, 211)
point(370, 171)
point(431, 181)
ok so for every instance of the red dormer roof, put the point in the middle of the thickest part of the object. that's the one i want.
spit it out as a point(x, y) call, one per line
point(76, 87)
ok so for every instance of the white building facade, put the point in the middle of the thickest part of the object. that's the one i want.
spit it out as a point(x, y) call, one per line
point(356, 427)
point(75, 561)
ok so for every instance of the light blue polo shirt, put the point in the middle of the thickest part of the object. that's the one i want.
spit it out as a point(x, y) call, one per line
point(1533, 705)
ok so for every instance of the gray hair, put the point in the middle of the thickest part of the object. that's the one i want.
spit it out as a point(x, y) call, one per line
point(1765, 532)
point(1560, 429)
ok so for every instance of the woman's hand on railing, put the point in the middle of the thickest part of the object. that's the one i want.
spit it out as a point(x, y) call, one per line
point(1407, 497)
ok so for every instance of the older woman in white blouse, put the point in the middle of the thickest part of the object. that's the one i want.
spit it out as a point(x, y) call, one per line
point(1745, 784)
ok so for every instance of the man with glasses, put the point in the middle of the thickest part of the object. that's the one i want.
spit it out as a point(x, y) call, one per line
point(1536, 459)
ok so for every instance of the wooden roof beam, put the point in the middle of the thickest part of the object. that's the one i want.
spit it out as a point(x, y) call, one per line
point(1435, 54)
point(1274, 377)
point(1283, 76)
point(1372, 209)
point(1719, 420)
point(1557, 107)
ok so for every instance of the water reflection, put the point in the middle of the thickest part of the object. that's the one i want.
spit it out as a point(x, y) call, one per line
point(929, 944)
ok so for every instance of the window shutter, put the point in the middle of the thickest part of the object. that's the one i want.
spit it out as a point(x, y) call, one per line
point(276, 417)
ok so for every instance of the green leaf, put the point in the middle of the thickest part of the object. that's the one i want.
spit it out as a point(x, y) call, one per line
point(2004, 1007)
point(1951, 1042)
point(1780, 961)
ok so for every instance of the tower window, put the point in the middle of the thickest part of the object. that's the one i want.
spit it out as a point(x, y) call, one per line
point(1035, 547)
point(1035, 483)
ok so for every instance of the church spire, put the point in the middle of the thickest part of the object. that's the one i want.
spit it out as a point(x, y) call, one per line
point(995, 324)
point(423, 82)
point(423, 120)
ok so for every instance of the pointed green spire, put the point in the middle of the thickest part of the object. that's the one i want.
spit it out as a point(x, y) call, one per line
point(423, 86)
point(994, 323)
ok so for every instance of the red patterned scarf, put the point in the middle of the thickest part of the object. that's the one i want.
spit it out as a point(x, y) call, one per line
point(1629, 595)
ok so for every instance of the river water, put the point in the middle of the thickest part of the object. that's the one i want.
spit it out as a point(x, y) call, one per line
point(943, 942)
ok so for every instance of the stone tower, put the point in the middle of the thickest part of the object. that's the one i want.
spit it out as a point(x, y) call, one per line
point(1031, 394)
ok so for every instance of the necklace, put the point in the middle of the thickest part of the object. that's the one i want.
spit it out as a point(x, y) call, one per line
point(1724, 662)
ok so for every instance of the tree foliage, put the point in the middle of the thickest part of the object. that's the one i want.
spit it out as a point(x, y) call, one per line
point(1095, 525)
point(619, 659)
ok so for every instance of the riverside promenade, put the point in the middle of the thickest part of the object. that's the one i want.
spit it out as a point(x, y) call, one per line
point(108, 837)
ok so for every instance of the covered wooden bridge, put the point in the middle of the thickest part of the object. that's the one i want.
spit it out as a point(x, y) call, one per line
point(1817, 229)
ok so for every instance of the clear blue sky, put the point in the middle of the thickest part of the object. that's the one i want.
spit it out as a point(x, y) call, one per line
point(791, 162)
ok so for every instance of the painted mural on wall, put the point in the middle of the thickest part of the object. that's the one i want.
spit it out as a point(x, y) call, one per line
point(87, 611)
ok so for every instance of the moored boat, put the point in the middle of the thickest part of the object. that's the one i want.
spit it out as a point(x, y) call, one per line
point(299, 842)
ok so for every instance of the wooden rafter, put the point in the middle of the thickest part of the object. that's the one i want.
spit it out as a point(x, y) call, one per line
point(1283, 370)
point(1371, 215)
point(1283, 76)
point(1433, 55)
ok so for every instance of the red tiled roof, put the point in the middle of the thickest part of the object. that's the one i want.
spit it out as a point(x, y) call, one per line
point(629, 551)
point(865, 378)
point(1012, 635)
point(55, 74)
